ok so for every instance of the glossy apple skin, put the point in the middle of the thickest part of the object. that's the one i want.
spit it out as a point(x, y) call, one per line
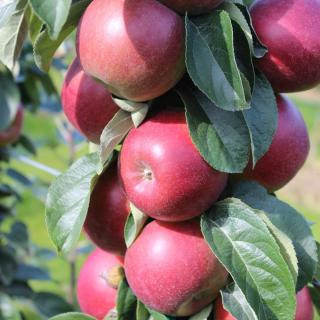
point(96, 296)
point(290, 29)
point(136, 47)
point(288, 151)
point(193, 7)
point(162, 172)
point(171, 268)
point(11, 134)
point(108, 212)
point(304, 310)
point(87, 103)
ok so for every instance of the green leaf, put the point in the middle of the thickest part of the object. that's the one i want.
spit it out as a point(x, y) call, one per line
point(211, 61)
point(315, 295)
point(203, 314)
point(126, 302)
point(244, 61)
point(247, 2)
point(239, 13)
point(68, 201)
point(9, 101)
point(13, 34)
point(142, 312)
point(237, 16)
point(7, 8)
point(221, 137)
point(53, 13)
point(113, 134)
point(236, 303)
point(27, 272)
point(138, 110)
point(19, 289)
point(317, 274)
point(8, 310)
point(243, 243)
point(72, 316)
point(226, 139)
point(134, 224)
point(27, 309)
point(19, 235)
point(50, 304)
point(285, 244)
point(158, 316)
point(19, 177)
point(27, 143)
point(262, 118)
point(286, 219)
point(8, 266)
point(45, 47)
point(139, 115)
point(111, 315)
point(259, 49)
point(7, 191)
point(35, 26)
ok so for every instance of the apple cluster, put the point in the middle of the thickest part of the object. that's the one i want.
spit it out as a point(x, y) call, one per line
point(134, 49)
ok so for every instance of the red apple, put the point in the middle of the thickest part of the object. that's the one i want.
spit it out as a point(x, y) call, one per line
point(87, 103)
point(171, 268)
point(290, 29)
point(304, 310)
point(288, 151)
point(193, 7)
point(108, 212)
point(12, 133)
point(97, 283)
point(220, 313)
point(135, 46)
point(162, 172)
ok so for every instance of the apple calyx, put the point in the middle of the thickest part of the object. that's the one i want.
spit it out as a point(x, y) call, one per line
point(114, 276)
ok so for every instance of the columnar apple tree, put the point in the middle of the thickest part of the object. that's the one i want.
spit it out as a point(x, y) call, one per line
point(190, 137)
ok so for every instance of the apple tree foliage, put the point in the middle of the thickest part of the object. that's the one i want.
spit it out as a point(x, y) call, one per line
point(232, 116)
point(22, 261)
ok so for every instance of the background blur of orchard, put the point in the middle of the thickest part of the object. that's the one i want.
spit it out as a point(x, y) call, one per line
point(49, 145)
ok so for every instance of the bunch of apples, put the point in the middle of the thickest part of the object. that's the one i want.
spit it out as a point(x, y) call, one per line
point(134, 49)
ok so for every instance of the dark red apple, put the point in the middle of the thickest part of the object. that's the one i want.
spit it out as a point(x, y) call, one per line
point(87, 103)
point(162, 172)
point(108, 212)
point(97, 283)
point(12, 133)
point(288, 151)
point(193, 7)
point(171, 268)
point(290, 29)
point(304, 310)
point(135, 46)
